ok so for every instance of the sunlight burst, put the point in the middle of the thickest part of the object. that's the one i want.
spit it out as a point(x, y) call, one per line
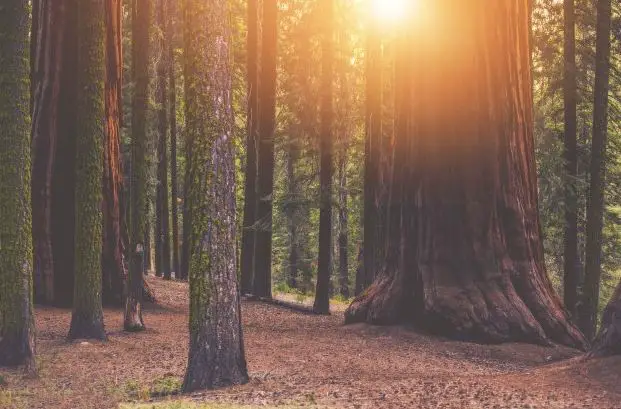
point(392, 11)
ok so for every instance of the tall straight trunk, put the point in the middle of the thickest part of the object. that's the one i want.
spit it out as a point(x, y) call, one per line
point(47, 63)
point(87, 315)
point(570, 94)
point(216, 354)
point(187, 219)
point(262, 281)
point(595, 203)
point(464, 255)
point(250, 187)
point(343, 229)
point(172, 104)
point(324, 264)
point(114, 269)
point(291, 213)
point(17, 331)
point(141, 20)
point(372, 153)
point(163, 67)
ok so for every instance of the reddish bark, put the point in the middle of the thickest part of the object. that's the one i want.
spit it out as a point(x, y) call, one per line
point(464, 252)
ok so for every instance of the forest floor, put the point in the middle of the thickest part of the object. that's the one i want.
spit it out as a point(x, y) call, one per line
point(297, 360)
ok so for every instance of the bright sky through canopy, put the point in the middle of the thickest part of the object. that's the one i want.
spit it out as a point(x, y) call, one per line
point(392, 11)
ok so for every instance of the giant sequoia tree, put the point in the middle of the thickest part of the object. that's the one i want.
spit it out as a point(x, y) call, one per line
point(17, 330)
point(87, 316)
point(464, 256)
point(216, 356)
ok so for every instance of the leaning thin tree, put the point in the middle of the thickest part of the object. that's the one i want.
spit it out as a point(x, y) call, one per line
point(216, 356)
point(464, 255)
point(17, 330)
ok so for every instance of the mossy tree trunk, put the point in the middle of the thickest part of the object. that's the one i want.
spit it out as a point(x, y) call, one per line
point(324, 264)
point(17, 329)
point(464, 255)
point(87, 315)
point(141, 19)
point(216, 354)
point(172, 104)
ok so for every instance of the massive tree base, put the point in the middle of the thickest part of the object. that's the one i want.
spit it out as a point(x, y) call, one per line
point(212, 369)
point(16, 351)
point(608, 340)
point(86, 328)
point(497, 310)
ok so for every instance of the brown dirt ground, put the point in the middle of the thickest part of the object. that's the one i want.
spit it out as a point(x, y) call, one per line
point(306, 360)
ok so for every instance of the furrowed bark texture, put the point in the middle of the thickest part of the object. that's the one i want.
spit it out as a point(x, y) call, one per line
point(250, 187)
point(87, 315)
point(216, 353)
point(141, 14)
point(324, 264)
point(17, 329)
point(608, 340)
point(172, 104)
point(464, 253)
point(114, 269)
point(262, 281)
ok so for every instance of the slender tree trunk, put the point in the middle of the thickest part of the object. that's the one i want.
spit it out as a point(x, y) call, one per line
point(571, 260)
point(464, 256)
point(170, 34)
point(343, 229)
point(324, 269)
point(17, 328)
point(87, 315)
point(114, 269)
point(139, 165)
point(372, 155)
point(262, 282)
point(291, 212)
point(163, 66)
point(216, 356)
point(250, 187)
point(595, 203)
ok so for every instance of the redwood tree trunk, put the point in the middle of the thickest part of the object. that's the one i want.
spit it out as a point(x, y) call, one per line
point(262, 282)
point(464, 252)
point(114, 269)
point(608, 340)
point(595, 203)
point(250, 187)
point(324, 264)
point(372, 152)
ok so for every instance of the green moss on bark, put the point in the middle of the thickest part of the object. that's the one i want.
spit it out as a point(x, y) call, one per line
point(16, 313)
point(87, 317)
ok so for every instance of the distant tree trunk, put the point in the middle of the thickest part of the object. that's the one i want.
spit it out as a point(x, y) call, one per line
point(17, 328)
point(163, 67)
point(343, 229)
point(464, 256)
point(250, 187)
point(87, 315)
point(47, 61)
point(608, 340)
point(324, 265)
point(372, 152)
point(595, 202)
point(114, 269)
point(291, 211)
point(187, 219)
point(262, 282)
point(141, 13)
point(216, 357)
point(571, 260)
point(170, 34)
